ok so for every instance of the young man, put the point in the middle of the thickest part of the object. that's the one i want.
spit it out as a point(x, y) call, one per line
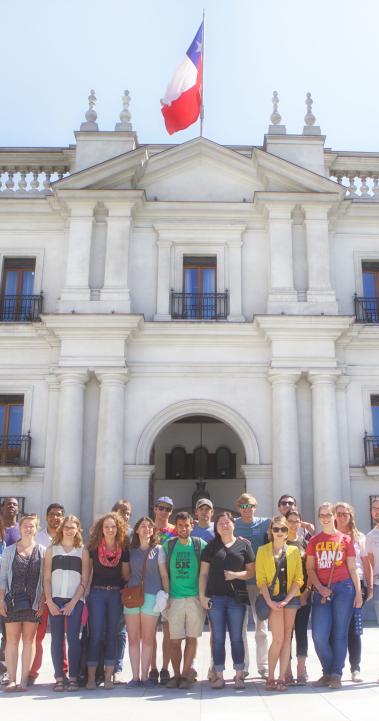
point(254, 529)
point(185, 614)
point(163, 508)
point(288, 503)
point(10, 512)
point(54, 518)
point(372, 549)
point(203, 527)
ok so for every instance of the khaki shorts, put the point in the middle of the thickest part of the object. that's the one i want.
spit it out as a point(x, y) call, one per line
point(185, 618)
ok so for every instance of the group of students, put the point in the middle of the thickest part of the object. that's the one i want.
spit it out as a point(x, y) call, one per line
point(124, 580)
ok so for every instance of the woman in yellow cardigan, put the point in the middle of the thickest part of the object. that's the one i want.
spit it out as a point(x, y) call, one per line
point(284, 600)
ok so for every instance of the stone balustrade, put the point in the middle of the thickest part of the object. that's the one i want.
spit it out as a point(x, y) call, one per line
point(29, 170)
point(357, 172)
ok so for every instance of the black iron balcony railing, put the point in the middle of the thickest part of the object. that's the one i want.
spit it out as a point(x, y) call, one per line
point(15, 450)
point(371, 450)
point(366, 310)
point(20, 308)
point(199, 306)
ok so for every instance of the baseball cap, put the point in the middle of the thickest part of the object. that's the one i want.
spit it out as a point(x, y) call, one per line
point(203, 502)
point(165, 499)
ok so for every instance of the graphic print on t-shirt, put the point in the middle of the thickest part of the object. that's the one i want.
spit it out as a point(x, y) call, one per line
point(183, 562)
point(328, 552)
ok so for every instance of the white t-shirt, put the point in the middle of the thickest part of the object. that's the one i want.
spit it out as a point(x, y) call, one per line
point(360, 552)
point(43, 538)
point(372, 546)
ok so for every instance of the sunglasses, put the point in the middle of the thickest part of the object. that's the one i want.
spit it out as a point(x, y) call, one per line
point(248, 505)
point(279, 529)
point(287, 503)
point(342, 515)
point(164, 508)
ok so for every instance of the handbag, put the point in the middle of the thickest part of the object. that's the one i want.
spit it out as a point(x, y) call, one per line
point(240, 594)
point(133, 596)
point(262, 609)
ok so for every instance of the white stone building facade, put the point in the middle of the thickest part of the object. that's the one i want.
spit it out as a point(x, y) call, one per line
point(196, 298)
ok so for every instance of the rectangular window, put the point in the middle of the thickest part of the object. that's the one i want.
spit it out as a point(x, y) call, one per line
point(11, 413)
point(375, 415)
point(370, 273)
point(16, 302)
point(199, 286)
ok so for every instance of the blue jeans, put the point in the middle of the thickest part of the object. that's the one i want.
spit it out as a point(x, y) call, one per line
point(330, 626)
point(227, 613)
point(58, 625)
point(104, 611)
point(121, 645)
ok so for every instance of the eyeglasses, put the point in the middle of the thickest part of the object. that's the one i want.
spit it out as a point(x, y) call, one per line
point(287, 503)
point(279, 529)
point(341, 514)
point(164, 508)
point(247, 505)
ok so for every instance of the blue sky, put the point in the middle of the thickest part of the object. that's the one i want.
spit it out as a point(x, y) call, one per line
point(54, 51)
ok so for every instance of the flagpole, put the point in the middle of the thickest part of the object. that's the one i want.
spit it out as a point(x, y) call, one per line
point(202, 80)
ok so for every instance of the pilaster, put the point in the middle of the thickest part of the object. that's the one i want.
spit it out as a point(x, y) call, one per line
point(136, 487)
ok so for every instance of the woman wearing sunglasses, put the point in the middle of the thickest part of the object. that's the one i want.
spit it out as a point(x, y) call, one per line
point(332, 571)
point(276, 558)
point(345, 523)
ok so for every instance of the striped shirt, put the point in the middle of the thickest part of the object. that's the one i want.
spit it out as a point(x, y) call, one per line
point(66, 571)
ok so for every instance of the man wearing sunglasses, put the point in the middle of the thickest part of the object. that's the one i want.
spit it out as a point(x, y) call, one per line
point(288, 503)
point(254, 529)
point(163, 508)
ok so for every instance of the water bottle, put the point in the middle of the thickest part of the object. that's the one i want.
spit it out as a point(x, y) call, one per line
point(357, 621)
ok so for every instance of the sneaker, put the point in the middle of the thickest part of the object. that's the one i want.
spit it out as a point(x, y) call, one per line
point(134, 683)
point(154, 675)
point(185, 683)
point(173, 682)
point(148, 683)
point(335, 681)
point(321, 682)
point(164, 677)
point(263, 672)
point(117, 678)
point(356, 677)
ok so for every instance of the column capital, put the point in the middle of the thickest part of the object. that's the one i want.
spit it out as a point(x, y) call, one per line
point(342, 381)
point(287, 377)
point(121, 210)
point(324, 376)
point(80, 207)
point(110, 376)
point(140, 472)
point(52, 382)
point(72, 376)
point(315, 212)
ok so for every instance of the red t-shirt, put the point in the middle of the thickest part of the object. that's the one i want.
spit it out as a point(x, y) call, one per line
point(324, 547)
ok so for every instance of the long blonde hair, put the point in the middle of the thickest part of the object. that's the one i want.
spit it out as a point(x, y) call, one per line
point(353, 530)
point(78, 538)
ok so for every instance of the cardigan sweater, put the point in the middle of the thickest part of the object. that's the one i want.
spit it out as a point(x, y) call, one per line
point(265, 568)
point(6, 572)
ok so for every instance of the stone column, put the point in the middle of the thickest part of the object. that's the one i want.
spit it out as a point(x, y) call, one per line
point(343, 434)
point(318, 254)
point(110, 439)
point(326, 453)
point(136, 488)
point(76, 289)
point(285, 435)
point(51, 435)
point(163, 280)
point(235, 281)
point(115, 290)
point(281, 290)
point(69, 446)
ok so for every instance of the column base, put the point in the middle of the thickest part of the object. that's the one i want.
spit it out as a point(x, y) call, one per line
point(162, 317)
point(73, 299)
point(282, 300)
point(236, 318)
point(116, 299)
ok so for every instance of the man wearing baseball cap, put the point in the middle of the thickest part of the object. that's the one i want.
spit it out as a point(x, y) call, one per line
point(204, 527)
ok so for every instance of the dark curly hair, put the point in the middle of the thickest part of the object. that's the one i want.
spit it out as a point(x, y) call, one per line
point(96, 531)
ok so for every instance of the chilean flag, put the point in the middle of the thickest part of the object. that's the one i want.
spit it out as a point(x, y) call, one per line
point(182, 102)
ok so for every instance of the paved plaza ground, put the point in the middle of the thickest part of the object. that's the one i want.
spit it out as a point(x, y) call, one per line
point(201, 703)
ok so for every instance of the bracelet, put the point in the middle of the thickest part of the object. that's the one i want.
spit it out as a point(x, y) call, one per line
point(308, 588)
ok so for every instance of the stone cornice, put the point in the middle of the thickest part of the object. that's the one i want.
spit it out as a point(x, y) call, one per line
point(304, 327)
point(75, 325)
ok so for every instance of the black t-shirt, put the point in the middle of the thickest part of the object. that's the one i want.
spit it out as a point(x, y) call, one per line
point(108, 575)
point(223, 559)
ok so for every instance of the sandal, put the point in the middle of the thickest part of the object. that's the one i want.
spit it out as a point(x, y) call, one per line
point(239, 683)
point(73, 685)
point(301, 680)
point(280, 685)
point(59, 686)
point(11, 687)
point(219, 683)
point(270, 684)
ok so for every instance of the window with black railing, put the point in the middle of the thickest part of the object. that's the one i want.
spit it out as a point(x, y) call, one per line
point(199, 299)
point(367, 306)
point(18, 304)
point(14, 445)
point(371, 442)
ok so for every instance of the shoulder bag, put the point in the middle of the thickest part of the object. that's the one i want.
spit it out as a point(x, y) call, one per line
point(262, 609)
point(133, 596)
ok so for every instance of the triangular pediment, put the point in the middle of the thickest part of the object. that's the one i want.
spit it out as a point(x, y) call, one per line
point(198, 170)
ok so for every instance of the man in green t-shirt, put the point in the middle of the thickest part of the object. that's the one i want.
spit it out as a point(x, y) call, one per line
point(185, 614)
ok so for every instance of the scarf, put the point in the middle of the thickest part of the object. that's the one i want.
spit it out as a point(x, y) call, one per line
point(106, 556)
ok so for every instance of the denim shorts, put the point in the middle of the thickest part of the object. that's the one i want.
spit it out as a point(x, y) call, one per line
point(293, 603)
point(147, 608)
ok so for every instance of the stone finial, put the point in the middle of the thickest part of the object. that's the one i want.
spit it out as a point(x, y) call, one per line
point(310, 128)
point(125, 116)
point(91, 114)
point(276, 128)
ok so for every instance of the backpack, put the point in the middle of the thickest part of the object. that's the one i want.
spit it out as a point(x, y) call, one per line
point(171, 543)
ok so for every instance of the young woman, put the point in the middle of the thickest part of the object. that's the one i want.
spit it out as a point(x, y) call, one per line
point(332, 572)
point(345, 523)
point(124, 508)
point(109, 563)
point(297, 537)
point(273, 557)
point(66, 579)
point(142, 622)
point(226, 563)
point(21, 599)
